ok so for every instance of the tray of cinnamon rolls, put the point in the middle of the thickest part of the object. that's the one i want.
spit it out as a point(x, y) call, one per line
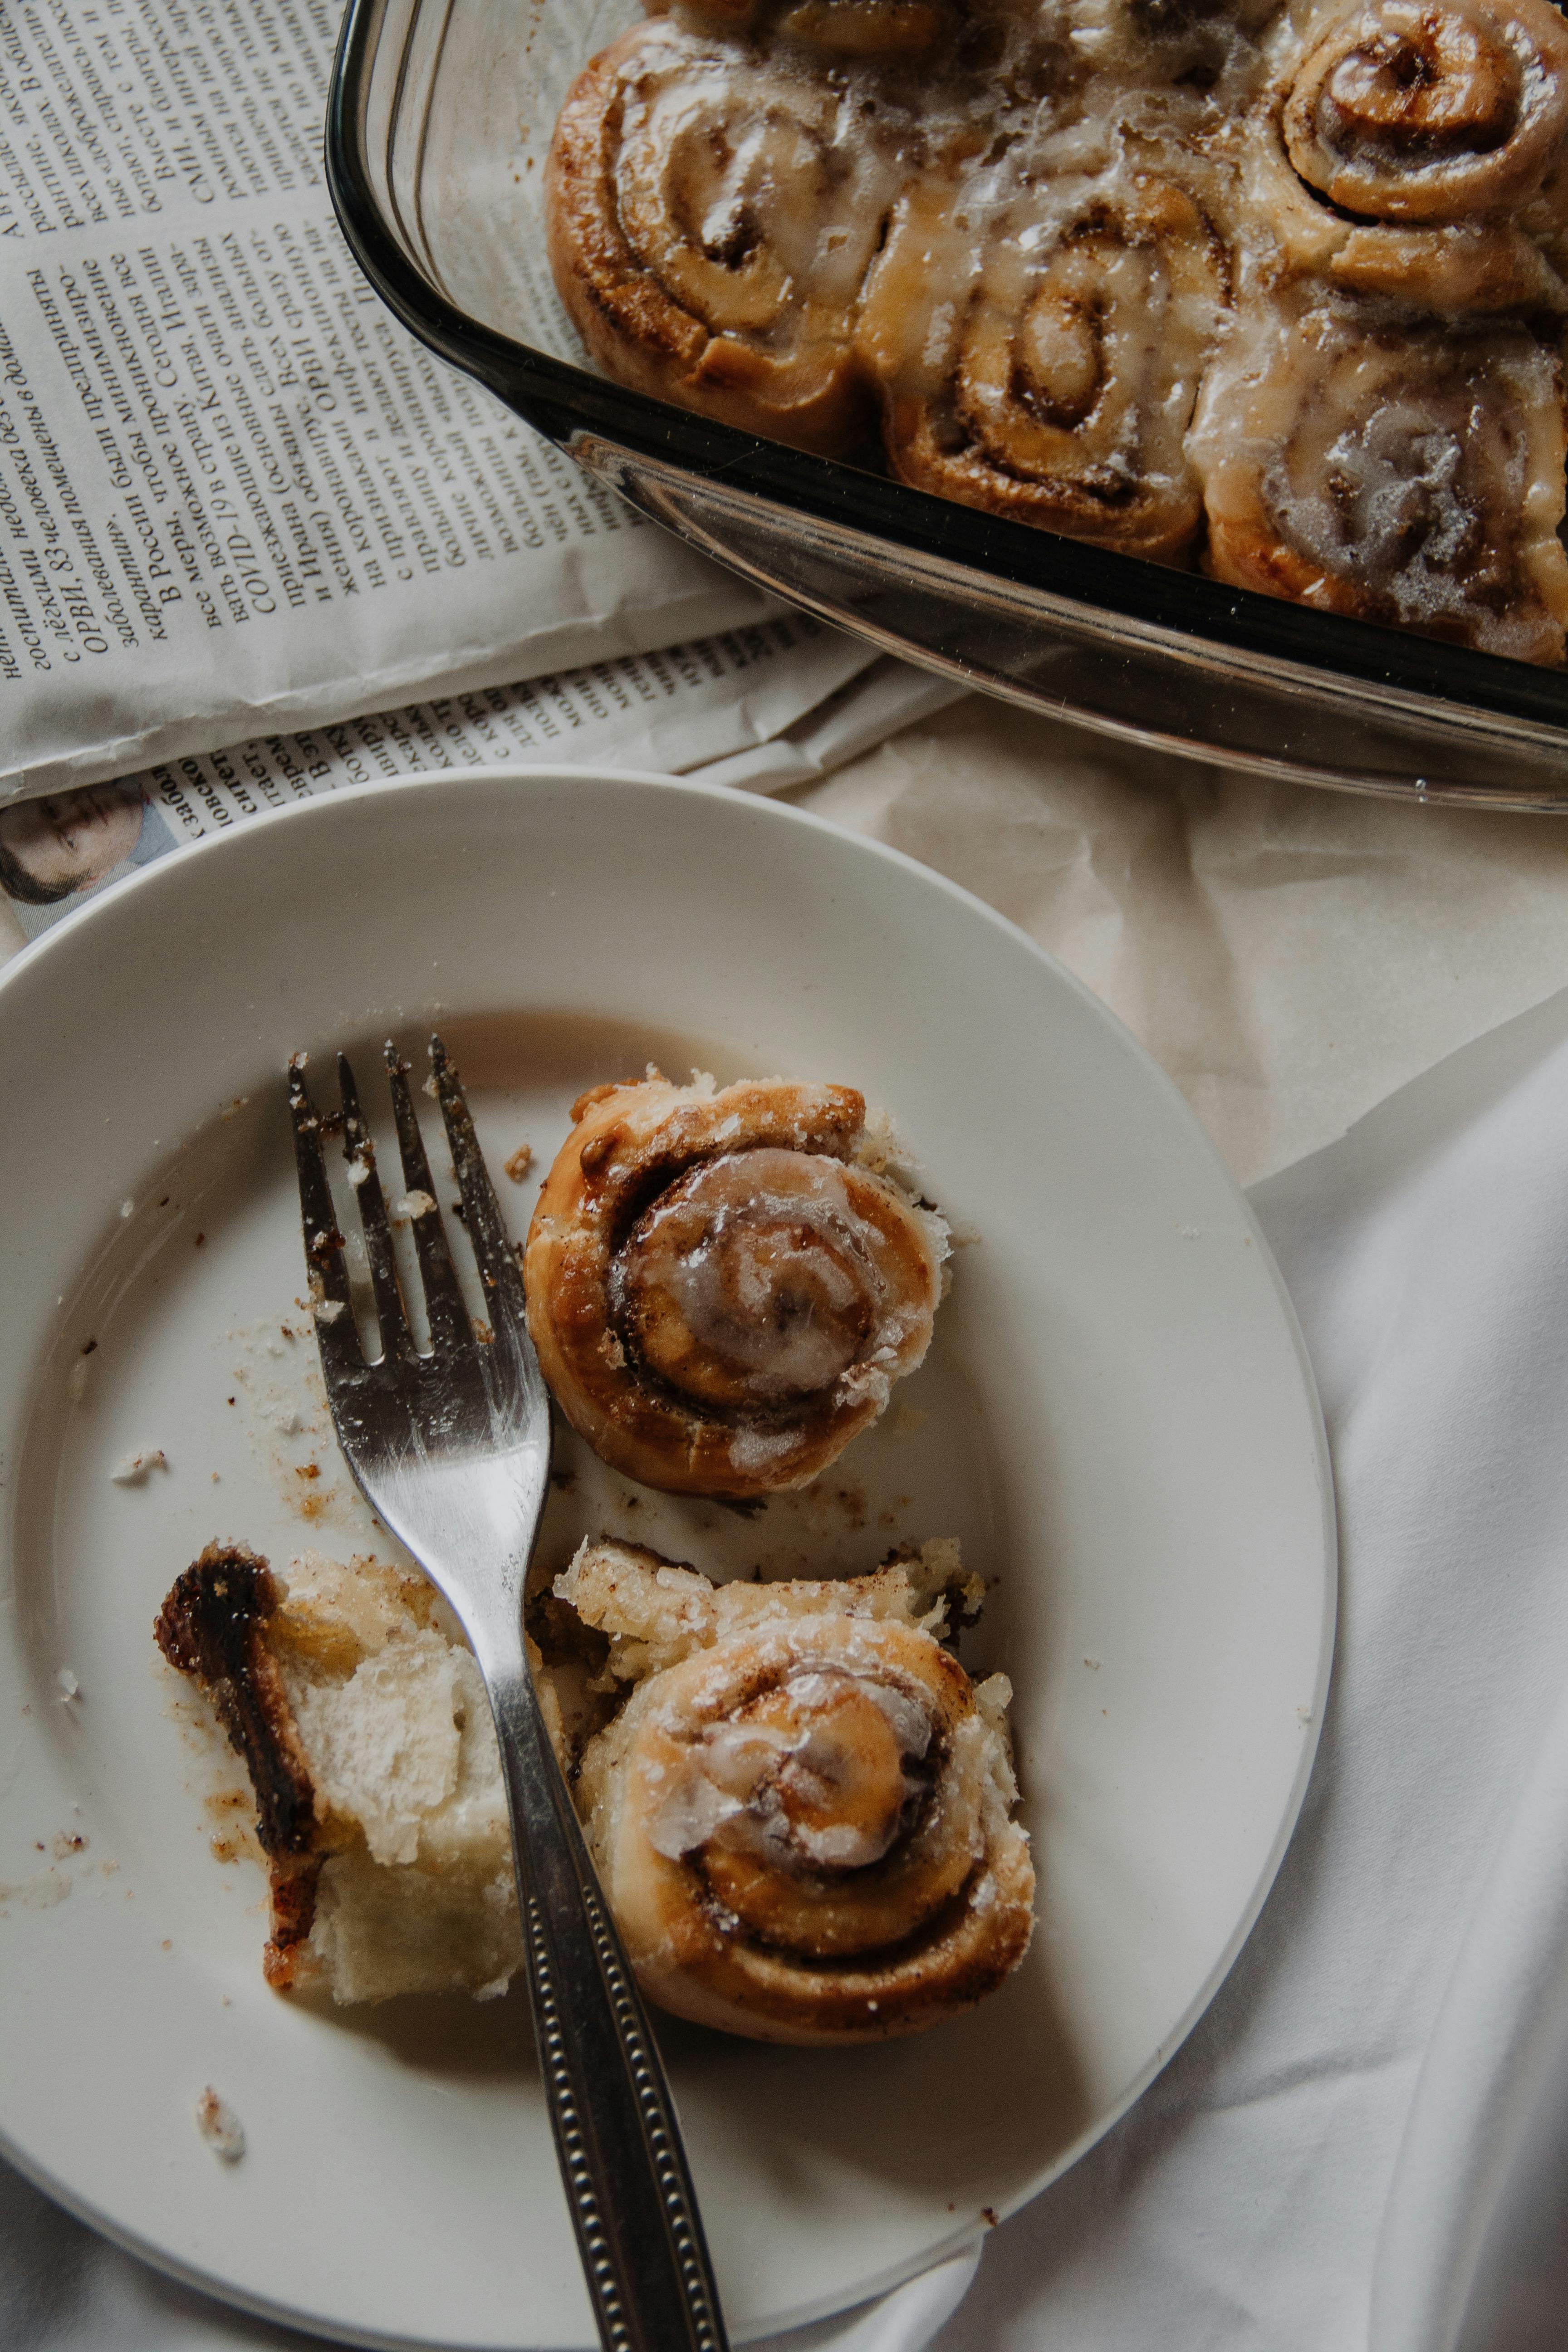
point(1192, 367)
point(1275, 292)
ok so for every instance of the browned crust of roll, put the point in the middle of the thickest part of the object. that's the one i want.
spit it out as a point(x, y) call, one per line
point(628, 1142)
point(959, 1958)
point(632, 329)
point(213, 1627)
point(1115, 515)
point(1247, 553)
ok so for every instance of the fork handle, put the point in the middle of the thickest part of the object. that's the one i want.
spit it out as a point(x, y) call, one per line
point(622, 2162)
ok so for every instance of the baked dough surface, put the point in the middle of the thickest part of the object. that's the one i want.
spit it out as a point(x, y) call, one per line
point(1052, 258)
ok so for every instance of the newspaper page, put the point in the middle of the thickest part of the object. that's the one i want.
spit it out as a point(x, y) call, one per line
point(235, 497)
point(761, 710)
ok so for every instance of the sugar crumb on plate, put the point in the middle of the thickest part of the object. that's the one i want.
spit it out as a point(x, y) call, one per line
point(220, 2126)
point(132, 1469)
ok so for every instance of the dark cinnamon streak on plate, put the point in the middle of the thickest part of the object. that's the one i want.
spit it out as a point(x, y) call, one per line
point(212, 1627)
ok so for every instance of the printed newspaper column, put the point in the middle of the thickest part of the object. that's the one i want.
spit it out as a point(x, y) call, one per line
point(235, 496)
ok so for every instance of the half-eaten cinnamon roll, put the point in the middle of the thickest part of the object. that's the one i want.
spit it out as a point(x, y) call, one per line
point(1405, 472)
point(830, 1856)
point(723, 1286)
point(801, 1814)
point(1060, 390)
point(709, 231)
point(1398, 138)
point(350, 1697)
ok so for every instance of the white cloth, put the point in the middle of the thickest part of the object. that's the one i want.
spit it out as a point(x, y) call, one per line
point(1413, 1936)
point(1493, 2065)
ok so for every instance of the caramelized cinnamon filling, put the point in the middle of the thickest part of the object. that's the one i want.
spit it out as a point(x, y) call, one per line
point(1429, 93)
point(804, 1810)
point(752, 1280)
point(1061, 355)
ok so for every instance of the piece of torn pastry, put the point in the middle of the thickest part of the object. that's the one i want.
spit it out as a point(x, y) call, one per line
point(802, 1810)
point(723, 1285)
point(363, 1723)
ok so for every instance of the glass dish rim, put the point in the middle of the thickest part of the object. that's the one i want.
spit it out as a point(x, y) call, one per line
point(1187, 610)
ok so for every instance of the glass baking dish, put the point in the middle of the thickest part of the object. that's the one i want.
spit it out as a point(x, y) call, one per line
point(439, 119)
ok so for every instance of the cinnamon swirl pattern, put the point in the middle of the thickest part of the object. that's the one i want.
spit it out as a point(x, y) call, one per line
point(1398, 138)
point(724, 1285)
point(801, 1811)
point(1041, 249)
point(1062, 393)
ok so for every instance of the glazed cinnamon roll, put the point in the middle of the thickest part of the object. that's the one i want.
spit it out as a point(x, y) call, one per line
point(1399, 138)
point(1060, 390)
point(723, 1286)
point(1401, 472)
point(711, 228)
point(801, 1815)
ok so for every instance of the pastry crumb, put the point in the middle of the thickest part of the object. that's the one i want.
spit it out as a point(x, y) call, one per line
point(132, 1469)
point(220, 2128)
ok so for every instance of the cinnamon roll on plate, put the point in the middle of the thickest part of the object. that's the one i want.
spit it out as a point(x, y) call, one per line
point(1399, 139)
point(1398, 470)
point(709, 231)
point(723, 1285)
point(1050, 375)
point(801, 1811)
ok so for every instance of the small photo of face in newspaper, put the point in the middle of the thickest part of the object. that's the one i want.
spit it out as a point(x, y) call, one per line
point(55, 851)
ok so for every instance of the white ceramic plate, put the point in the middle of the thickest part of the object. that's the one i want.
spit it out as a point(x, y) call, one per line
point(1117, 1418)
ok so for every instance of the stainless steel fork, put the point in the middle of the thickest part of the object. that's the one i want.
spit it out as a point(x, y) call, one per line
point(451, 1447)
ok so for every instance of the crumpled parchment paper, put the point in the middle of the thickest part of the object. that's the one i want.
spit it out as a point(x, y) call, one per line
point(1289, 955)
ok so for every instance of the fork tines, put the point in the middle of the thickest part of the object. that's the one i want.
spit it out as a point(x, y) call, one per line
point(450, 1322)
